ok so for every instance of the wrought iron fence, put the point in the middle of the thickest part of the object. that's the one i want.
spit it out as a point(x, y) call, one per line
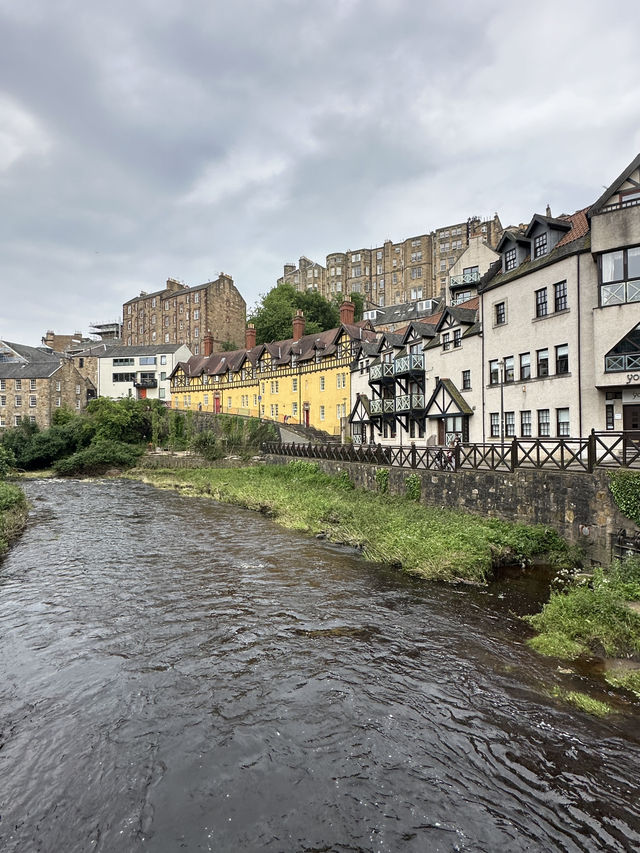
point(598, 450)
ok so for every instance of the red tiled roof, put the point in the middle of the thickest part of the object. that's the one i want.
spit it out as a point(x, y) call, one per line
point(579, 227)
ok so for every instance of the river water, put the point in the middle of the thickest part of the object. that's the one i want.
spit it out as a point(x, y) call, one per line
point(180, 675)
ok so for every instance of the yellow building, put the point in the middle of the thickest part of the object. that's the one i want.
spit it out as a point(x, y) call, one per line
point(302, 380)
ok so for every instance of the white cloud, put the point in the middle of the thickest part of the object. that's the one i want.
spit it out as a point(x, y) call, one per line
point(21, 134)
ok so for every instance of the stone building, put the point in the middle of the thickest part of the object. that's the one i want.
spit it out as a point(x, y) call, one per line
point(179, 314)
point(308, 275)
point(450, 241)
point(35, 382)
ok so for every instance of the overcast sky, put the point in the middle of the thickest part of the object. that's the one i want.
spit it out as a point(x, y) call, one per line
point(143, 139)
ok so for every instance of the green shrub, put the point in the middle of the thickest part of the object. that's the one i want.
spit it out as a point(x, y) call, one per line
point(13, 513)
point(303, 469)
point(345, 480)
point(207, 445)
point(382, 480)
point(7, 461)
point(10, 496)
point(625, 488)
point(413, 487)
point(98, 458)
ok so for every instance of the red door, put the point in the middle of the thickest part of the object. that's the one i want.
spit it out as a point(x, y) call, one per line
point(216, 404)
point(142, 393)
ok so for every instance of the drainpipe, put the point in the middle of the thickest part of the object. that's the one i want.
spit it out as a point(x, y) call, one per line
point(579, 350)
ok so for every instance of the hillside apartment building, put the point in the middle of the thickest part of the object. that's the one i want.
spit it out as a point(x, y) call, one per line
point(183, 315)
point(414, 269)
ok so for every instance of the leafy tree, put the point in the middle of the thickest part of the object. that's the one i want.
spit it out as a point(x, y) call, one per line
point(7, 461)
point(273, 314)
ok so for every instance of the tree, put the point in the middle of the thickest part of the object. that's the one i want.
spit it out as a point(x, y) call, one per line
point(274, 312)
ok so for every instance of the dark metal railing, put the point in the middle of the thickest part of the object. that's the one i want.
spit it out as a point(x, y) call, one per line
point(598, 450)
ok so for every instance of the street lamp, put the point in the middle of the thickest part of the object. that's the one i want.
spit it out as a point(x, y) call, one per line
point(501, 369)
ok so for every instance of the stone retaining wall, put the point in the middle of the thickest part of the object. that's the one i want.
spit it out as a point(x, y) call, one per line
point(578, 505)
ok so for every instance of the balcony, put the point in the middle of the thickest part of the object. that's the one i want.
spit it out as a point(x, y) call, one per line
point(626, 362)
point(382, 373)
point(146, 383)
point(406, 403)
point(465, 278)
point(407, 364)
point(382, 406)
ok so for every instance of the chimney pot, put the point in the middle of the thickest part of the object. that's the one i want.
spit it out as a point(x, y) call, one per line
point(208, 344)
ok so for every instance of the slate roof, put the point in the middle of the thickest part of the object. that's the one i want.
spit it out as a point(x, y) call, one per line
point(577, 240)
point(35, 363)
point(126, 352)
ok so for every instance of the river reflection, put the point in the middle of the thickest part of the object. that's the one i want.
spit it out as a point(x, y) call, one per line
point(180, 675)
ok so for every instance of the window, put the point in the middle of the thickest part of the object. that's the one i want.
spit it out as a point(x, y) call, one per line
point(294, 384)
point(18, 384)
point(77, 389)
point(494, 429)
point(562, 422)
point(446, 342)
point(510, 259)
point(457, 337)
point(620, 276)
point(525, 365)
point(17, 402)
point(500, 314)
point(123, 377)
point(381, 284)
point(494, 372)
point(166, 338)
point(196, 297)
point(32, 383)
point(416, 272)
point(394, 278)
point(542, 360)
point(163, 376)
point(355, 258)
point(540, 245)
point(544, 423)
point(560, 296)
point(562, 359)
point(510, 424)
point(17, 419)
point(294, 409)
point(541, 302)
point(58, 402)
point(196, 332)
point(3, 400)
point(321, 413)
point(32, 401)
point(322, 383)
point(609, 415)
point(525, 424)
point(3, 384)
point(509, 372)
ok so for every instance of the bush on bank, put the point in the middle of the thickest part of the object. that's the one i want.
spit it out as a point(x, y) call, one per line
point(13, 514)
point(435, 543)
point(99, 457)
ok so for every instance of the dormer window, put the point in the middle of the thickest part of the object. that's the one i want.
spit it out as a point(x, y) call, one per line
point(510, 259)
point(540, 245)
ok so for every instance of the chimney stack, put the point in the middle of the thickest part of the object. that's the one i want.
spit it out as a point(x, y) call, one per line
point(298, 325)
point(208, 344)
point(250, 336)
point(347, 312)
point(548, 211)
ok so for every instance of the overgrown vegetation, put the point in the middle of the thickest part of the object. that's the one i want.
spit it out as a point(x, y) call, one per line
point(413, 487)
point(592, 617)
point(13, 514)
point(625, 488)
point(434, 543)
point(112, 434)
point(382, 480)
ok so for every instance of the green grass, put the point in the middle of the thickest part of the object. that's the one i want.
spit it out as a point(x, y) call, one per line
point(592, 618)
point(582, 702)
point(13, 514)
point(439, 544)
point(627, 679)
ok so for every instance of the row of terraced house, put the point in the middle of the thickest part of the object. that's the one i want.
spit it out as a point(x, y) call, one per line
point(545, 343)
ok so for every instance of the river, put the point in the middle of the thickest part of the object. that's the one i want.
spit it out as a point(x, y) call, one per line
point(180, 675)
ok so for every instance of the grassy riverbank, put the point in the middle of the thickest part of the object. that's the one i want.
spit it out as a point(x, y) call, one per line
point(598, 616)
point(435, 543)
point(13, 514)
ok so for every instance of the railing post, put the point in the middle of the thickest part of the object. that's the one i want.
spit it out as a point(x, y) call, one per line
point(591, 451)
point(456, 456)
point(514, 454)
point(379, 457)
point(414, 455)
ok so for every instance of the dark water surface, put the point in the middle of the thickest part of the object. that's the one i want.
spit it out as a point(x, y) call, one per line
point(179, 675)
